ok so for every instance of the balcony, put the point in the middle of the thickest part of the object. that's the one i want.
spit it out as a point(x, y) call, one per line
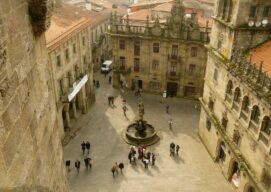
point(264, 138)
point(254, 126)
point(123, 70)
point(174, 58)
point(173, 76)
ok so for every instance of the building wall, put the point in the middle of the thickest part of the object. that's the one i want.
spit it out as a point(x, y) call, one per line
point(161, 75)
point(70, 71)
point(240, 137)
point(30, 146)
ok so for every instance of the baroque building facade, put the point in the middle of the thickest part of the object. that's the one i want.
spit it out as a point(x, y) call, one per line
point(31, 157)
point(159, 56)
point(235, 121)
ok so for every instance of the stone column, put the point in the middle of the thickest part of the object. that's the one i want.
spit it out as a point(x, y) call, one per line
point(67, 116)
point(74, 109)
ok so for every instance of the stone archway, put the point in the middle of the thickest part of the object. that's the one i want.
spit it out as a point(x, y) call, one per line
point(234, 172)
point(249, 188)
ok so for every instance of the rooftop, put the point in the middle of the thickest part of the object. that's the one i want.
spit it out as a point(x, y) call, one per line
point(69, 19)
point(262, 53)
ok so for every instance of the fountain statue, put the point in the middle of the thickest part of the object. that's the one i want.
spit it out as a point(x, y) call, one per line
point(140, 132)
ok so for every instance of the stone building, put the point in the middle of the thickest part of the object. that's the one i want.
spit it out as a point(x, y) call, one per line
point(69, 48)
point(235, 121)
point(31, 156)
point(161, 56)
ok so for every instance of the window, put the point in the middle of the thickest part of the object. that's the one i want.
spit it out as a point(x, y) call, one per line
point(122, 44)
point(253, 11)
point(192, 69)
point(137, 47)
point(215, 75)
point(173, 68)
point(156, 47)
point(174, 52)
point(236, 137)
point(211, 104)
point(70, 78)
point(67, 55)
point(208, 124)
point(224, 122)
point(224, 9)
point(237, 95)
point(229, 88)
point(85, 59)
point(74, 48)
point(154, 85)
point(58, 60)
point(194, 51)
point(84, 41)
point(266, 11)
point(245, 104)
point(255, 114)
point(136, 64)
point(61, 86)
point(122, 63)
point(266, 125)
point(155, 64)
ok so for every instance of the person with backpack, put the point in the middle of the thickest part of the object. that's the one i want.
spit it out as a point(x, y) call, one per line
point(121, 166)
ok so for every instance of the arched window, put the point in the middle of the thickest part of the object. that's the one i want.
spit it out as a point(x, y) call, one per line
point(251, 189)
point(229, 88)
point(237, 95)
point(255, 114)
point(245, 104)
point(266, 125)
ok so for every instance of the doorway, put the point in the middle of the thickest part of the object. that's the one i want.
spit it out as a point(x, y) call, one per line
point(140, 84)
point(172, 89)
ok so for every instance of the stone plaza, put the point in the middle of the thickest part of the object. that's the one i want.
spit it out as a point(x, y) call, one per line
point(192, 171)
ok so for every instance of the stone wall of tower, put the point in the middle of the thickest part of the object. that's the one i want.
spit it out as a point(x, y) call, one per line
point(30, 148)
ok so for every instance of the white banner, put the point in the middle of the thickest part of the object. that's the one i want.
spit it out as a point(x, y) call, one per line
point(77, 88)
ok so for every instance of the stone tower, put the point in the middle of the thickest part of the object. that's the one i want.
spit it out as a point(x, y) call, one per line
point(235, 117)
point(30, 145)
point(240, 23)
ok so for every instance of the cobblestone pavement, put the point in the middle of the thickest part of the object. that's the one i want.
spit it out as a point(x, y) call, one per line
point(192, 171)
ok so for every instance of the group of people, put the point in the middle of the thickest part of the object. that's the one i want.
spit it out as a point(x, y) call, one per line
point(87, 160)
point(173, 149)
point(116, 167)
point(143, 154)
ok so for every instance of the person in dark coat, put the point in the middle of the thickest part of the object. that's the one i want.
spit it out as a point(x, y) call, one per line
point(87, 162)
point(77, 165)
point(177, 149)
point(153, 159)
point(97, 83)
point(68, 163)
point(88, 146)
point(167, 108)
point(109, 79)
point(121, 166)
point(83, 146)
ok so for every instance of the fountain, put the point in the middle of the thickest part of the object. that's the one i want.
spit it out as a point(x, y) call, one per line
point(140, 132)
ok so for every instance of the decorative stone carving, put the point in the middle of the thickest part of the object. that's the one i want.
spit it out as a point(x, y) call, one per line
point(40, 12)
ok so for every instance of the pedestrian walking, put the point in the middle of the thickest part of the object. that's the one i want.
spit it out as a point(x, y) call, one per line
point(121, 166)
point(77, 165)
point(146, 163)
point(113, 170)
point(83, 146)
point(87, 162)
point(88, 146)
point(130, 156)
point(124, 108)
point(177, 149)
point(109, 79)
point(170, 124)
point(167, 108)
point(97, 84)
point(94, 82)
point(172, 149)
point(68, 163)
point(116, 168)
point(153, 159)
point(121, 83)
